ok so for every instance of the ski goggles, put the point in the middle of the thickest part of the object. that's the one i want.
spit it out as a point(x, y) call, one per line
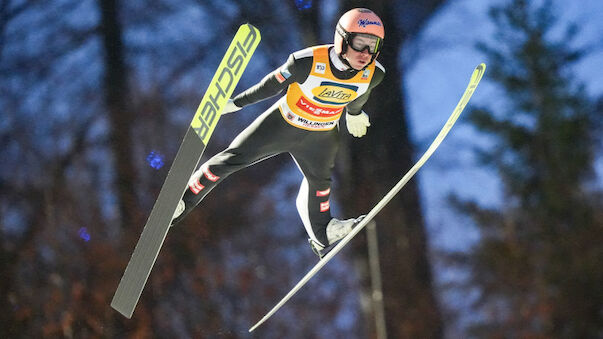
point(361, 41)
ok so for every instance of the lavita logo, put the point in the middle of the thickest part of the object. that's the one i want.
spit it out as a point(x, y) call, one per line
point(329, 93)
point(333, 93)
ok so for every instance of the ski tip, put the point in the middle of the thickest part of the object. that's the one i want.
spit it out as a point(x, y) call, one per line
point(251, 27)
point(478, 73)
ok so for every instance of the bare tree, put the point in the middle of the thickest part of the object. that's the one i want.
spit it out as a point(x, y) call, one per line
point(116, 94)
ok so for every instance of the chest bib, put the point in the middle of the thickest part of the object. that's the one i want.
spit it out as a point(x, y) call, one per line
point(317, 103)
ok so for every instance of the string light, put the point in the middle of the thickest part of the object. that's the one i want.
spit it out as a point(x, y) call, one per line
point(155, 160)
point(83, 233)
point(303, 4)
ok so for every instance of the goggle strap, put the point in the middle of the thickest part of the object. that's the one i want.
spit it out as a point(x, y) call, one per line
point(341, 31)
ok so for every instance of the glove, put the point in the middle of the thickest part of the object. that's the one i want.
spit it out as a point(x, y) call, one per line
point(357, 124)
point(230, 107)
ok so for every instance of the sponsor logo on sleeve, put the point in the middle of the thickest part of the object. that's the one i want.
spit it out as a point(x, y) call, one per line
point(324, 206)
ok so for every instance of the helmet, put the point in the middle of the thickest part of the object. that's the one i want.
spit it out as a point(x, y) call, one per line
point(359, 22)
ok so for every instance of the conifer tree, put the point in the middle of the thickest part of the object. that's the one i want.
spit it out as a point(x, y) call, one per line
point(538, 264)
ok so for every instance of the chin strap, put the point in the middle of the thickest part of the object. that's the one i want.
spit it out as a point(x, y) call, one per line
point(345, 62)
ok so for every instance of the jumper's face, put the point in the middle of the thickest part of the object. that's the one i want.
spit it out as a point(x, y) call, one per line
point(361, 48)
point(358, 60)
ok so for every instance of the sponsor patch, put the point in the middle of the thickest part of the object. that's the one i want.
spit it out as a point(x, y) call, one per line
point(209, 175)
point(310, 108)
point(320, 68)
point(324, 206)
point(298, 121)
point(365, 74)
point(196, 187)
point(366, 22)
point(323, 193)
point(334, 93)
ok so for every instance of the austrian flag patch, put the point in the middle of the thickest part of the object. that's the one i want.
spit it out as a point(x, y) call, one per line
point(282, 75)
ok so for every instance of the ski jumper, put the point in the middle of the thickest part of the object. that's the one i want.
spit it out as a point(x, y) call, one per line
point(303, 123)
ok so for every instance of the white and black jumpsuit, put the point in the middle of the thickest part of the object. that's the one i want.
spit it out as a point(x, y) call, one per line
point(303, 123)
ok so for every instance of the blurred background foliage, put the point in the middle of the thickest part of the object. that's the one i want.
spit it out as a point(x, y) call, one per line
point(96, 95)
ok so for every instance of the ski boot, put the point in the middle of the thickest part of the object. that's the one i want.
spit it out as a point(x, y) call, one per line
point(179, 209)
point(336, 230)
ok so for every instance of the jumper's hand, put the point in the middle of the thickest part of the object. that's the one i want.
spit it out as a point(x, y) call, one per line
point(357, 124)
point(230, 107)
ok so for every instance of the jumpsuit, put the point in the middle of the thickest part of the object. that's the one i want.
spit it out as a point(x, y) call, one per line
point(303, 123)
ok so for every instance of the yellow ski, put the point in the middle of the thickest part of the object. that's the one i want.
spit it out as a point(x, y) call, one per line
point(195, 140)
